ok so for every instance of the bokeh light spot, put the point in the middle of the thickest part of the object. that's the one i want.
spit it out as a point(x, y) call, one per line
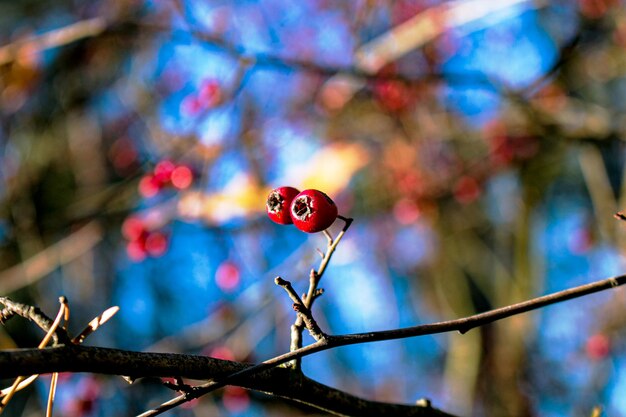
point(227, 276)
point(182, 177)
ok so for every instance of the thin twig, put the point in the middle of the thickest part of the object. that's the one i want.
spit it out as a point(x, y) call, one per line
point(65, 311)
point(20, 386)
point(35, 315)
point(333, 245)
point(95, 324)
point(52, 393)
point(314, 279)
point(289, 290)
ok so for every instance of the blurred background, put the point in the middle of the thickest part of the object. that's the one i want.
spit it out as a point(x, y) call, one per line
point(478, 145)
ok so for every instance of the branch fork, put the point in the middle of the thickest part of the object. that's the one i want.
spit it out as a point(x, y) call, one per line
point(303, 305)
point(304, 313)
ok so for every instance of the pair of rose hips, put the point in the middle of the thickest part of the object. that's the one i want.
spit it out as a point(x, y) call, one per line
point(310, 210)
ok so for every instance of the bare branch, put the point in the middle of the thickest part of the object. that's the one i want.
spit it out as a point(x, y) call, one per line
point(38, 266)
point(462, 325)
point(273, 380)
point(137, 364)
point(313, 293)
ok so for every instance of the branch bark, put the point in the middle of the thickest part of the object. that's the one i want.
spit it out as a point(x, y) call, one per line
point(277, 381)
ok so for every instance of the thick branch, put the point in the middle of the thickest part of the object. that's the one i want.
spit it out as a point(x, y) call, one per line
point(280, 382)
point(77, 358)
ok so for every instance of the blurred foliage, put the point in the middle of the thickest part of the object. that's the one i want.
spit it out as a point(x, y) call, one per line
point(478, 145)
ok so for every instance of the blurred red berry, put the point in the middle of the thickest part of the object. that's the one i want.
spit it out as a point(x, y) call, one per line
point(393, 95)
point(182, 177)
point(505, 149)
point(403, 10)
point(580, 241)
point(168, 379)
point(190, 405)
point(210, 93)
point(133, 228)
point(595, 9)
point(235, 399)
point(163, 171)
point(466, 190)
point(156, 244)
point(501, 150)
point(313, 211)
point(222, 352)
point(191, 105)
point(80, 407)
point(136, 250)
point(123, 154)
point(406, 211)
point(278, 204)
point(149, 186)
point(525, 147)
point(227, 276)
point(598, 346)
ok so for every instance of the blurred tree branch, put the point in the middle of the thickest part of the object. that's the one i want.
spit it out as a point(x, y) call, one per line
point(55, 38)
point(40, 265)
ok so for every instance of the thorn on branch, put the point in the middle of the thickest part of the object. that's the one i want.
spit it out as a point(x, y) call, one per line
point(329, 237)
point(177, 385)
point(463, 330)
point(94, 324)
point(318, 292)
point(130, 379)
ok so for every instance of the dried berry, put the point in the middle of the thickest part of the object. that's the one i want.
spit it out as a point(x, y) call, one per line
point(278, 204)
point(313, 211)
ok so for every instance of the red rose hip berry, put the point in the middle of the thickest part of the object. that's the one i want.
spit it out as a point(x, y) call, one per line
point(313, 211)
point(278, 204)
